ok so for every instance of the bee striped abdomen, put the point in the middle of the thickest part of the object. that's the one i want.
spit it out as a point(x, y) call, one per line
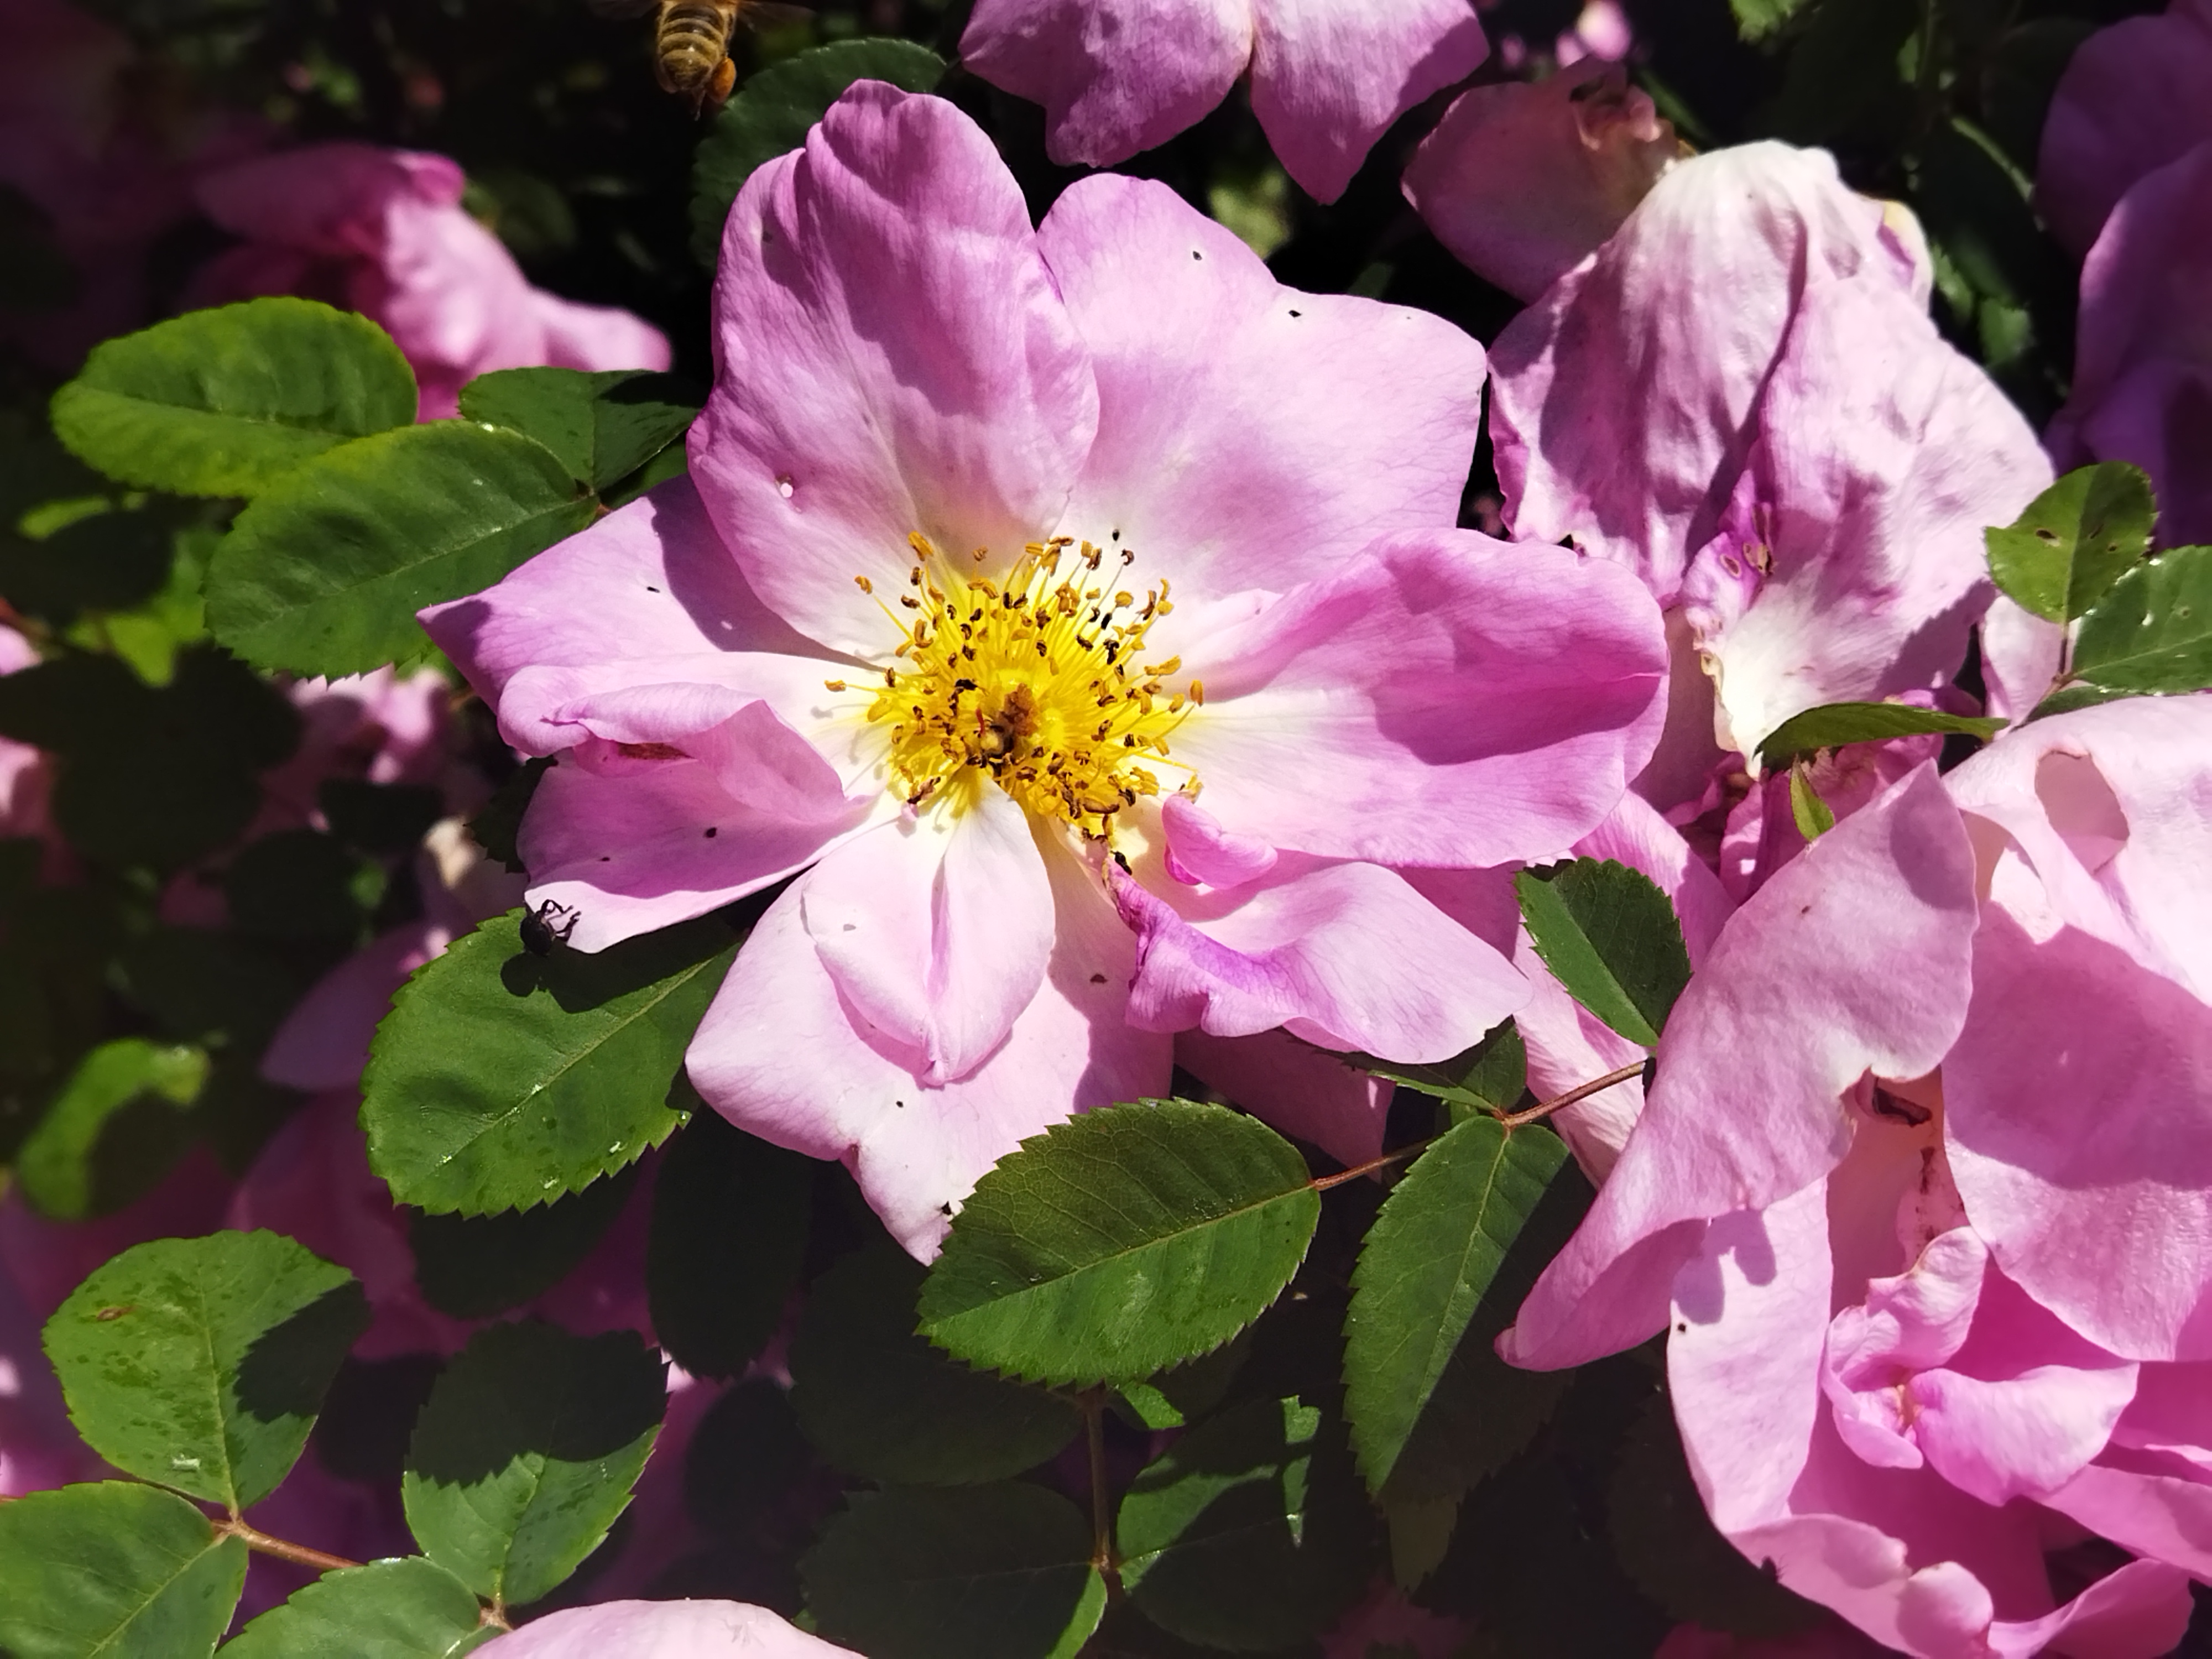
point(695, 38)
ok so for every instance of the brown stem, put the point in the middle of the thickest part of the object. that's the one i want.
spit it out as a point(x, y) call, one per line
point(1322, 1183)
point(1093, 1403)
point(1595, 1085)
point(298, 1553)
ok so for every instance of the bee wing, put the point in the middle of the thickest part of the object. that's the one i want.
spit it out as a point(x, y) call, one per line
point(622, 8)
point(757, 12)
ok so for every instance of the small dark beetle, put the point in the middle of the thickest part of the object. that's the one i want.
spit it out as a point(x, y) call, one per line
point(539, 935)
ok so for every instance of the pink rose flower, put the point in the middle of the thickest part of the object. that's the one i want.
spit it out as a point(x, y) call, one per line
point(382, 232)
point(2131, 100)
point(1742, 397)
point(1523, 181)
point(661, 1630)
point(1913, 1196)
point(1328, 76)
point(2143, 357)
point(1074, 606)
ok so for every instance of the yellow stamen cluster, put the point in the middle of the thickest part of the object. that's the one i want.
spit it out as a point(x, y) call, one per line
point(1033, 683)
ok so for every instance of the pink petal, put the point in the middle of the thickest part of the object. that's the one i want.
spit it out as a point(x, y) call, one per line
point(1853, 959)
point(1443, 700)
point(2021, 654)
point(323, 1041)
point(597, 337)
point(661, 1630)
point(2127, 105)
point(2140, 1612)
point(1295, 1087)
point(891, 358)
point(2109, 810)
point(2143, 366)
point(1250, 435)
point(1348, 956)
point(936, 929)
point(649, 585)
point(1625, 401)
point(783, 1056)
point(1330, 76)
point(2143, 1506)
point(1523, 181)
point(1115, 77)
point(2075, 1140)
point(320, 198)
point(1200, 852)
point(631, 851)
point(39, 1448)
point(1883, 453)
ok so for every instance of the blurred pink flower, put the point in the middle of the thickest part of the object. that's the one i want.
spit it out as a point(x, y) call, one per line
point(1917, 1194)
point(106, 148)
point(1523, 181)
point(39, 1448)
point(1328, 76)
point(2142, 360)
point(1742, 397)
point(2131, 100)
point(383, 231)
point(25, 778)
point(661, 1630)
point(1602, 31)
point(829, 648)
point(1829, 1642)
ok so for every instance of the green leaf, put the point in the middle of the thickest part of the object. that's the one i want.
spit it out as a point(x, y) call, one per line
point(1813, 814)
point(205, 986)
point(106, 562)
point(1611, 937)
point(1122, 1242)
point(119, 1570)
point(2153, 631)
point(117, 1127)
point(2075, 539)
point(1757, 19)
point(729, 1235)
point(1249, 1534)
point(1490, 1077)
point(324, 572)
point(2068, 698)
point(496, 828)
point(475, 1267)
point(602, 425)
point(968, 1572)
point(1832, 725)
point(227, 402)
point(879, 1402)
point(527, 1452)
point(1843, 70)
point(1670, 1549)
point(200, 1363)
point(501, 1079)
point(406, 1608)
point(741, 1472)
point(1430, 1263)
point(774, 111)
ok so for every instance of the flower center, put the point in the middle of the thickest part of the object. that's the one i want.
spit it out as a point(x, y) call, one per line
point(1034, 684)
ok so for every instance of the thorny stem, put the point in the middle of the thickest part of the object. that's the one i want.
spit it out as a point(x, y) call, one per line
point(1093, 1403)
point(300, 1554)
point(1595, 1085)
point(1535, 1114)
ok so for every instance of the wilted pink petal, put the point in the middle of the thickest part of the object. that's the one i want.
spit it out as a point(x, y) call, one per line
point(2130, 102)
point(661, 1630)
point(1854, 959)
point(1328, 76)
point(1523, 181)
point(1742, 397)
point(2142, 362)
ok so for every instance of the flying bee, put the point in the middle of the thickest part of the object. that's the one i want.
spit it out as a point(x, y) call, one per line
point(692, 43)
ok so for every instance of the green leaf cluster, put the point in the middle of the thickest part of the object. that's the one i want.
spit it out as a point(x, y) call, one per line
point(2139, 623)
